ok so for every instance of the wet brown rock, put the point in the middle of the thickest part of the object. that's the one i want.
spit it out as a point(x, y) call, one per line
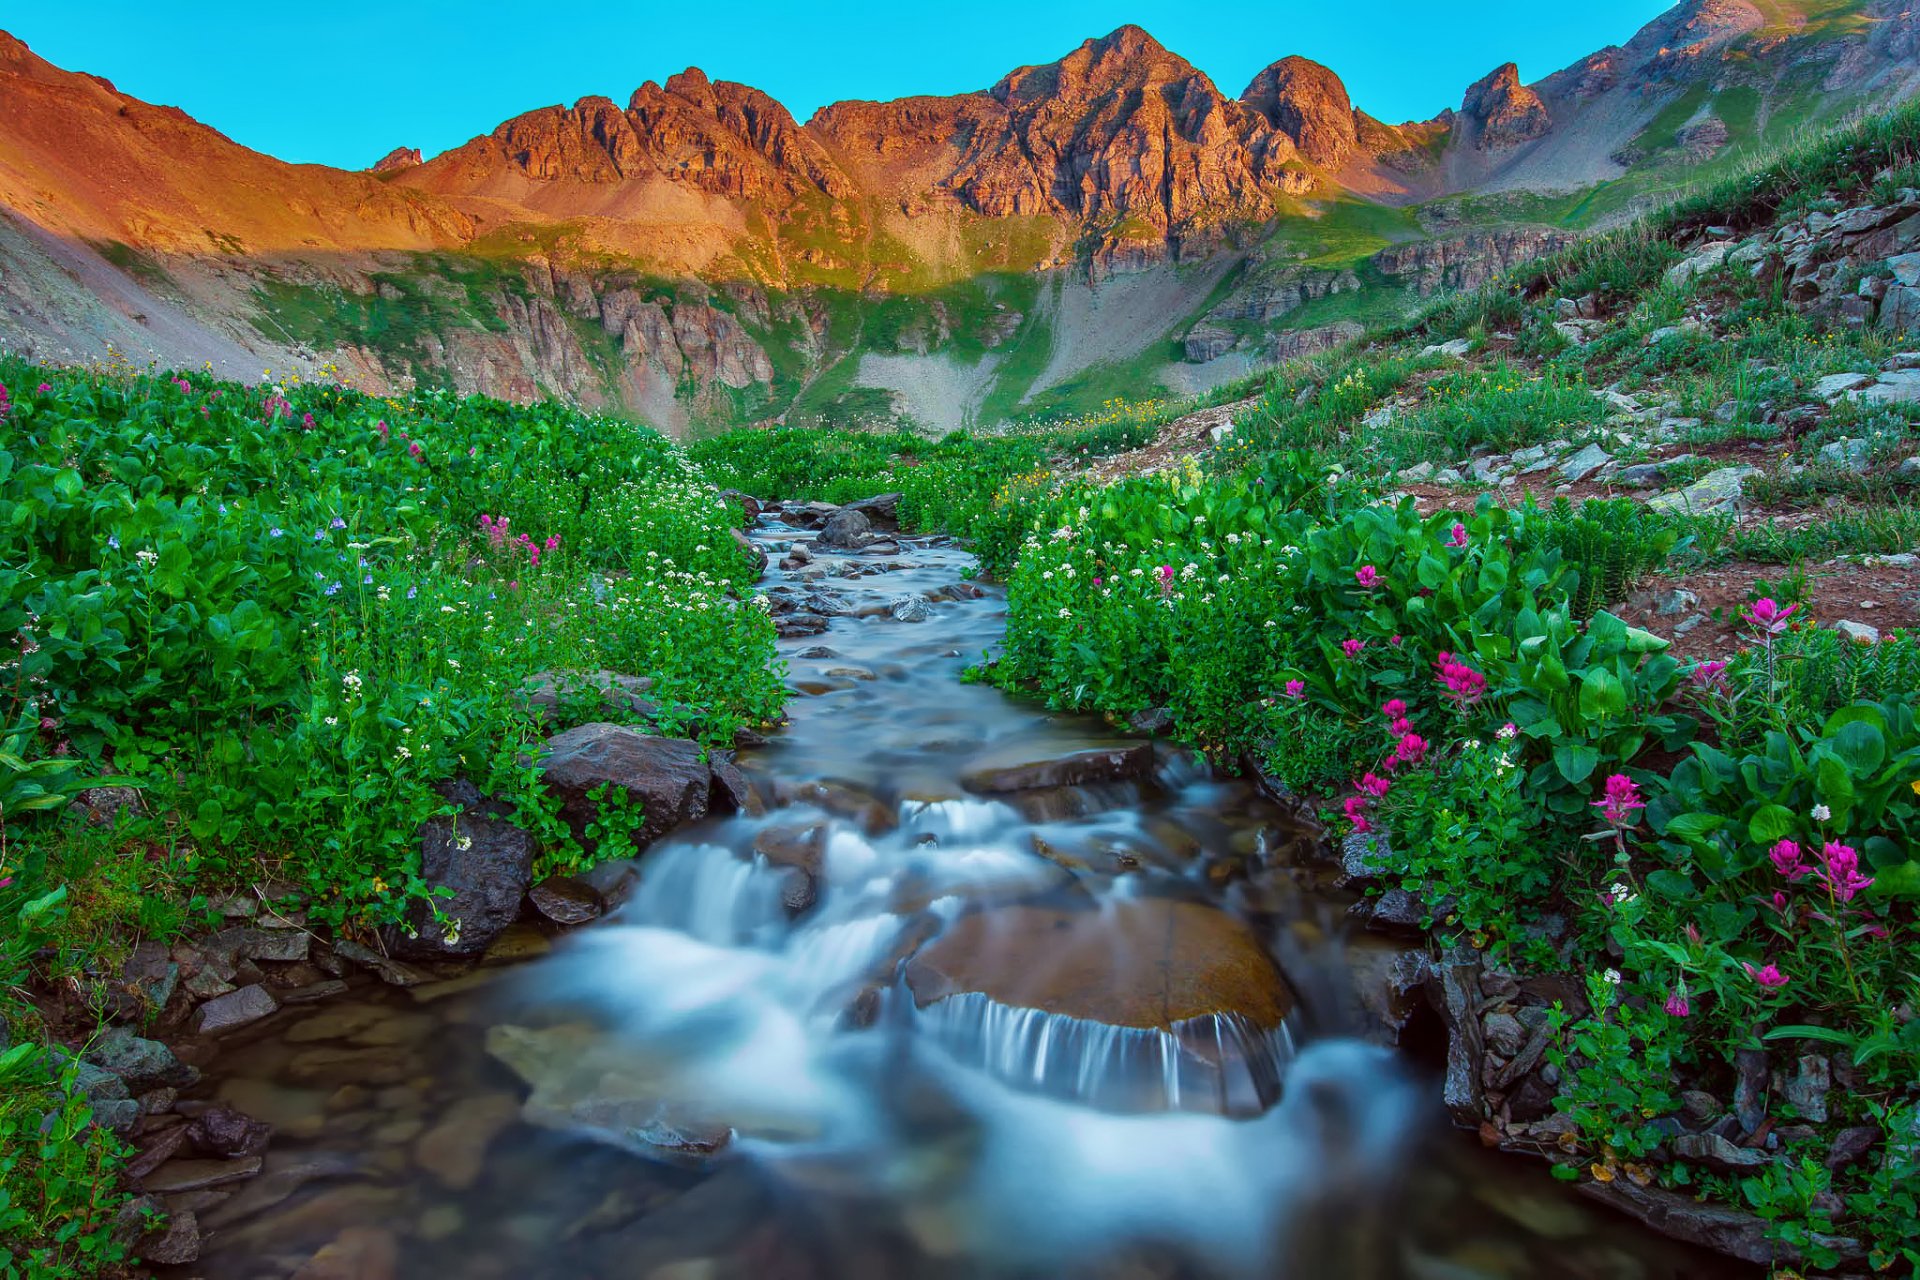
point(1150, 962)
point(225, 1133)
point(1034, 764)
point(732, 792)
point(666, 776)
point(193, 1175)
point(358, 1253)
point(566, 901)
point(176, 1243)
point(454, 1150)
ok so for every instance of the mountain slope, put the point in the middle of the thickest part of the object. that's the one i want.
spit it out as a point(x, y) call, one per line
point(1107, 223)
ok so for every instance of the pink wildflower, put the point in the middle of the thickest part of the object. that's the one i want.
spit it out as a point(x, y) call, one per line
point(1767, 975)
point(1165, 574)
point(1295, 689)
point(1464, 685)
point(1677, 1005)
point(1352, 648)
point(1411, 749)
point(1767, 615)
point(1708, 675)
point(1393, 709)
point(1458, 538)
point(1843, 871)
point(1786, 860)
point(1401, 727)
point(1619, 800)
point(416, 450)
point(1367, 576)
point(553, 544)
point(44, 387)
point(383, 429)
point(1375, 786)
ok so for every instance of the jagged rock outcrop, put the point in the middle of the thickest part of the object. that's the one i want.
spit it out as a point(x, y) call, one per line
point(397, 159)
point(1469, 261)
point(721, 138)
point(1504, 112)
point(1271, 295)
point(1296, 344)
point(1308, 103)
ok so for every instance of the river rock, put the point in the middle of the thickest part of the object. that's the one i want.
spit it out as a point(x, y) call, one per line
point(142, 1064)
point(226, 1134)
point(1711, 1226)
point(454, 1151)
point(665, 776)
point(566, 901)
point(845, 530)
point(357, 1253)
point(912, 607)
point(485, 861)
point(807, 515)
point(1717, 1153)
point(235, 1010)
point(1146, 963)
point(1453, 988)
point(176, 1243)
point(147, 981)
point(749, 505)
point(731, 792)
point(587, 1081)
point(193, 1175)
point(882, 510)
point(1037, 762)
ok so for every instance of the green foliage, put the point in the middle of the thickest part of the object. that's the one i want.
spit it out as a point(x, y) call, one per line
point(1617, 1070)
point(1610, 544)
point(288, 612)
point(58, 1192)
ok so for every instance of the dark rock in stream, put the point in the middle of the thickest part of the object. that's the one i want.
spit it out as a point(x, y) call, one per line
point(666, 777)
point(1454, 988)
point(1154, 721)
point(566, 901)
point(1014, 766)
point(731, 792)
point(749, 505)
point(883, 510)
point(807, 515)
point(226, 1133)
point(485, 861)
point(912, 607)
point(845, 530)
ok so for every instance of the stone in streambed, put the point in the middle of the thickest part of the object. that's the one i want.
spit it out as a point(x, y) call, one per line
point(666, 777)
point(455, 1149)
point(1149, 963)
point(226, 1134)
point(238, 1009)
point(193, 1175)
point(566, 901)
point(846, 530)
point(1037, 763)
point(358, 1253)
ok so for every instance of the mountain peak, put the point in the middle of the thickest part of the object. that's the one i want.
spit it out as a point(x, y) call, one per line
point(396, 159)
point(1308, 103)
point(1505, 110)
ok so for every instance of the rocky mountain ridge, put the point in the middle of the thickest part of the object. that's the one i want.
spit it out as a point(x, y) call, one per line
point(914, 256)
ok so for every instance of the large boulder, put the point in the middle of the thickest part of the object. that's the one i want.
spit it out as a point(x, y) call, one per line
point(666, 777)
point(485, 861)
point(846, 530)
point(882, 510)
point(1149, 963)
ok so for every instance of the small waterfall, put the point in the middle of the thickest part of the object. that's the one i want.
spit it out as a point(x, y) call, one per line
point(1217, 1064)
point(708, 892)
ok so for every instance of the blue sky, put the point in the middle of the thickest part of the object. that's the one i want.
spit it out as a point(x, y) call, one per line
point(343, 83)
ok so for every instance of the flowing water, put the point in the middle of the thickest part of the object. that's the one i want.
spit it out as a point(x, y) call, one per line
point(949, 1008)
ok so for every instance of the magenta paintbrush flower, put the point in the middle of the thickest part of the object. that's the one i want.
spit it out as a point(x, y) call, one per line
point(1768, 615)
point(1295, 689)
point(1787, 861)
point(1619, 800)
point(1767, 975)
point(1677, 1005)
point(1458, 538)
point(1352, 648)
point(1367, 576)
